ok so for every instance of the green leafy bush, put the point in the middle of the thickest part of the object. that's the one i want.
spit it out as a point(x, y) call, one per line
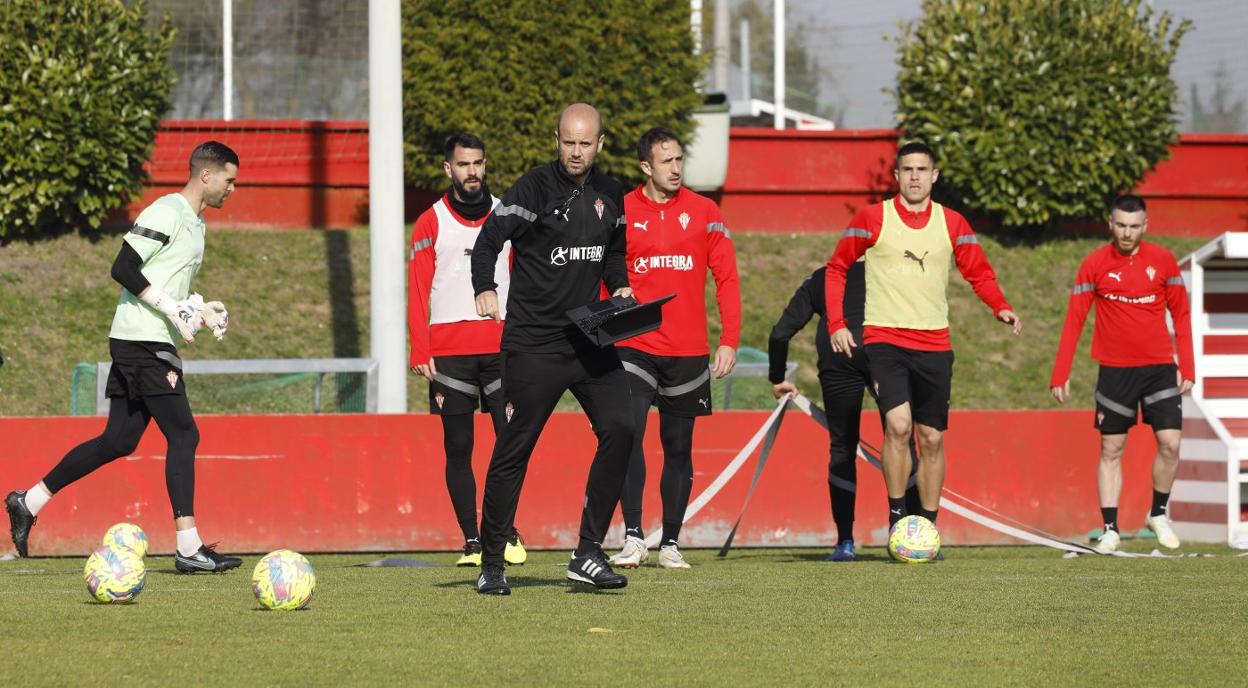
point(504, 71)
point(1039, 110)
point(82, 88)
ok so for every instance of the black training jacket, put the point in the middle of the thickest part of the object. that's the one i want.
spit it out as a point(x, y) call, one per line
point(566, 241)
point(809, 300)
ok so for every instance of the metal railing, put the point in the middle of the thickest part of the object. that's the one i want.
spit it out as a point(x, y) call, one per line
point(265, 366)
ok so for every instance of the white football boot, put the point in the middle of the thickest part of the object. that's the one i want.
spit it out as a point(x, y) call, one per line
point(1108, 542)
point(1160, 524)
point(671, 558)
point(632, 555)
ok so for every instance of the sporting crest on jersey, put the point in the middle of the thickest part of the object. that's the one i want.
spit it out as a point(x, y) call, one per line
point(684, 221)
point(172, 377)
point(439, 398)
point(1151, 272)
point(599, 207)
point(509, 410)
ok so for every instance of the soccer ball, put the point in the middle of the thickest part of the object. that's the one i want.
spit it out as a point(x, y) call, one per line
point(914, 540)
point(283, 580)
point(114, 574)
point(127, 535)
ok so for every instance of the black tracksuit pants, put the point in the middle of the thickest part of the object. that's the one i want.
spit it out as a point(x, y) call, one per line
point(532, 386)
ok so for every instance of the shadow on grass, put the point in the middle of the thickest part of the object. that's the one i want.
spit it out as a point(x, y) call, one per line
point(532, 582)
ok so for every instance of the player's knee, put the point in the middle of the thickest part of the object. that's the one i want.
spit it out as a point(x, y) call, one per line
point(899, 427)
point(930, 440)
point(1168, 449)
point(184, 438)
point(116, 447)
point(618, 427)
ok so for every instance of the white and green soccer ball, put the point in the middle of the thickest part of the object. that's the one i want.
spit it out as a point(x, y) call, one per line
point(127, 535)
point(914, 540)
point(114, 574)
point(283, 580)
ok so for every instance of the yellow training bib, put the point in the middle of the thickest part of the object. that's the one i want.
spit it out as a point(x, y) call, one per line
point(908, 272)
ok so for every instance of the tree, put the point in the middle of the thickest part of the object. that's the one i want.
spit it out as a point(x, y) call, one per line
point(1039, 111)
point(1222, 116)
point(83, 86)
point(505, 70)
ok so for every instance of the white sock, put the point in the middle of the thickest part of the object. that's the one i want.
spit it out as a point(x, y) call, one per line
point(189, 542)
point(36, 498)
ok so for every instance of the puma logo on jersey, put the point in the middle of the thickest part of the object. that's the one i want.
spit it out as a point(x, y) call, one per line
point(910, 254)
point(1115, 275)
point(705, 403)
point(641, 225)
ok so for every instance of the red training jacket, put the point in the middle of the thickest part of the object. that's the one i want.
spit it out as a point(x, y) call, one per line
point(670, 247)
point(967, 254)
point(1131, 294)
point(460, 338)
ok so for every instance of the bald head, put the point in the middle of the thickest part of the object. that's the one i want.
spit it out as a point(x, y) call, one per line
point(579, 139)
point(581, 115)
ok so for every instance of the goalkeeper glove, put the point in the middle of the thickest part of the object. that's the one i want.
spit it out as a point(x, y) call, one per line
point(181, 313)
point(213, 314)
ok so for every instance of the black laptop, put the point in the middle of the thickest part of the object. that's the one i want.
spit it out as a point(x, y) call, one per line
point(617, 318)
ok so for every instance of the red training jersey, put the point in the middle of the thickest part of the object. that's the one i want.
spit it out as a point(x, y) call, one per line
point(1131, 294)
point(439, 279)
point(670, 247)
point(864, 231)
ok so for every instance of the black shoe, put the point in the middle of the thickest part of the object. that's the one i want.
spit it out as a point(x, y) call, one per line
point(205, 560)
point(492, 580)
point(593, 568)
point(20, 520)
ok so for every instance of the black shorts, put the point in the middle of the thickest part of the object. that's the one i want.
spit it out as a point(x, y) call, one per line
point(1121, 391)
point(464, 383)
point(679, 385)
point(143, 369)
point(924, 379)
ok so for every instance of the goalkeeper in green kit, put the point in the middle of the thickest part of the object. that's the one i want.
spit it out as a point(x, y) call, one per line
point(156, 312)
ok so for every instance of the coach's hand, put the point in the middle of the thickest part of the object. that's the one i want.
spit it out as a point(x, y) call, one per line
point(1061, 393)
point(1009, 317)
point(782, 388)
point(725, 361)
point(425, 370)
point(487, 305)
point(1184, 386)
point(843, 342)
point(626, 292)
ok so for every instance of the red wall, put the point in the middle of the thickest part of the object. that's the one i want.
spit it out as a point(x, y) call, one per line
point(300, 174)
point(801, 181)
point(375, 482)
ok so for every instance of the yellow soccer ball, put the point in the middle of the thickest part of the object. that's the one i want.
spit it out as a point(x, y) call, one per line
point(114, 574)
point(127, 535)
point(283, 580)
point(914, 540)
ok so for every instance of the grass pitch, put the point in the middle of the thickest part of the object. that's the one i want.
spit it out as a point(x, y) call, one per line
point(985, 616)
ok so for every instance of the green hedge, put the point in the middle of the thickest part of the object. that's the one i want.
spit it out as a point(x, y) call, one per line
point(504, 71)
point(83, 87)
point(1040, 110)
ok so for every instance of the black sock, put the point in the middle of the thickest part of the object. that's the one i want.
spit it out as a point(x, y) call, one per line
point(634, 532)
point(585, 547)
point(896, 510)
point(929, 515)
point(669, 535)
point(1109, 514)
point(1160, 501)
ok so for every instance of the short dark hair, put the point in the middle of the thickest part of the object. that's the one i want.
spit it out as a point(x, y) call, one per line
point(462, 141)
point(212, 154)
point(645, 145)
point(1127, 203)
point(916, 147)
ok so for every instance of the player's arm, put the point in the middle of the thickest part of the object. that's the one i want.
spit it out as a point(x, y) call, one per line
point(722, 260)
point(1176, 301)
point(1081, 296)
point(863, 232)
point(800, 310)
point(127, 270)
point(421, 263)
point(973, 263)
point(150, 235)
point(615, 263)
point(517, 211)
